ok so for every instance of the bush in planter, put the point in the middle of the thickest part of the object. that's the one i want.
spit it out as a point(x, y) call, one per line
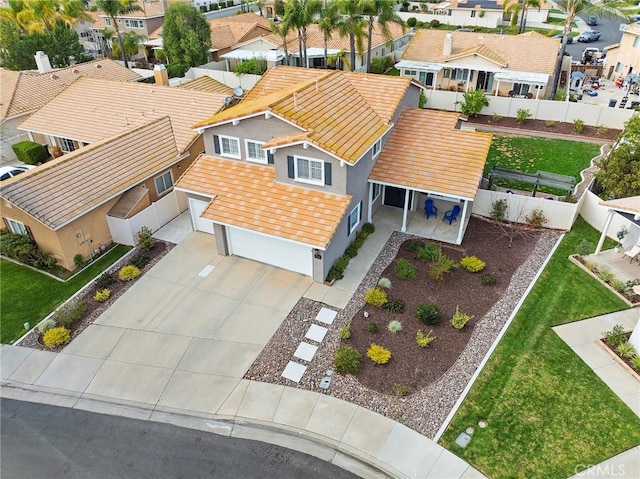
point(487, 279)
point(428, 313)
point(347, 360)
point(404, 269)
point(394, 326)
point(345, 332)
point(368, 229)
point(460, 319)
point(384, 283)
point(429, 252)
point(30, 152)
point(102, 295)
point(472, 264)
point(635, 362)
point(414, 245)
point(616, 336)
point(46, 325)
point(79, 260)
point(376, 297)
point(442, 265)
point(395, 306)
point(140, 260)
point(585, 247)
point(104, 281)
point(56, 337)
point(423, 340)
point(128, 273)
point(626, 350)
point(378, 354)
point(144, 239)
point(71, 312)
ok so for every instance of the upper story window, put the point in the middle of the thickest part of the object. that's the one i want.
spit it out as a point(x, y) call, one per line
point(67, 145)
point(16, 227)
point(377, 146)
point(107, 22)
point(311, 171)
point(255, 152)
point(163, 182)
point(354, 218)
point(133, 23)
point(227, 146)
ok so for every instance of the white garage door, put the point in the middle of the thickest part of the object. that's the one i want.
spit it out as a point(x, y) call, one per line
point(270, 250)
point(197, 207)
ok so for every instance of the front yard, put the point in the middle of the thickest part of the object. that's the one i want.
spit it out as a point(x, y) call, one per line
point(547, 411)
point(29, 296)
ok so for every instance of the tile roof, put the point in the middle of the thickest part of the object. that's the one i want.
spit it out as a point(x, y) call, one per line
point(27, 91)
point(61, 190)
point(341, 113)
point(529, 53)
point(281, 77)
point(442, 159)
point(247, 196)
point(629, 205)
point(482, 51)
point(90, 110)
point(208, 85)
point(229, 31)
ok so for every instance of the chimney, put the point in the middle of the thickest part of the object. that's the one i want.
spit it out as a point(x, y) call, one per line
point(448, 45)
point(272, 58)
point(42, 61)
point(160, 75)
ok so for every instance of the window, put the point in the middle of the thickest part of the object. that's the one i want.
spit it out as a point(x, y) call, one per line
point(133, 23)
point(230, 147)
point(311, 171)
point(619, 67)
point(164, 182)
point(354, 218)
point(107, 22)
point(255, 151)
point(426, 78)
point(17, 227)
point(410, 73)
point(520, 88)
point(67, 145)
point(473, 13)
point(636, 42)
point(460, 74)
point(377, 189)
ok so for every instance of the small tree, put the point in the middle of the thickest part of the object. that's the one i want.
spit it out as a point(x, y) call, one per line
point(186, 38)
point(254, 66)
point(473, 102)
point(619, 175)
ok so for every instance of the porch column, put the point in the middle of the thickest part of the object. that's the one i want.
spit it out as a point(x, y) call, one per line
point(537, 91)
point(369, 214)
point(468, 80)
point(404, 211)
point(497, 88)
point(607, 223)
point(30, 135)
point(462, 219)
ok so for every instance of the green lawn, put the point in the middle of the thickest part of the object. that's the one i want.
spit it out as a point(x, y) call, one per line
point(546, 410)
point(532, 154)
point(29, 296)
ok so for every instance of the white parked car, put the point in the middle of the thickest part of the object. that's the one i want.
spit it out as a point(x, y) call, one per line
point(7, 172)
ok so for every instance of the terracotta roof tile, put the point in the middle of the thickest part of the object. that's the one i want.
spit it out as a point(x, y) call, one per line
point(442, 159)
point(229, 31)
point(62, 189)
point(208, 85)
point(281, 77)
point(247, 196)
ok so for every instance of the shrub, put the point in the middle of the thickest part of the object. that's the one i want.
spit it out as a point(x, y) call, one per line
point(619, 286)
point(144, 240)
point(46, 325)
point(616, 336)
point(372, 327)
point(522, 115)
point(404, 269)
point(19, 247)
point(337, 270)
point(473, 101)
point(347, 360)
point(635, 362)
point(496, 117)
point(56, 337)
point(499, 210)
point(423, 340)
point(428, 313)
point(79, 260)
point(381, 64)
point(345, 332)
point(401, 390)
point(602, 130)
point(626, 350)
point(550, 123)
point(585, 247)
point(578, 125)
point(395, 306)
point(351, 251)
point(384, 283)
point(414, 246)
point(378, 354)
point(30, 152)
point(104, 281)
point(128, 273)
point(429, 252)
point(472, 264)
point(102, 295)
point(69, 313)
point(443, 265)
point(487, 279)
point(537, 219)
point(459, 319)
point(394, 326)
point(139, 260)
point(368, 229)
point(434, 23)
point(375, 297)
point(606, 275)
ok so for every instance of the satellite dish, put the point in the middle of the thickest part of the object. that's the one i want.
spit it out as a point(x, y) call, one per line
point(237, 91)
point(228, 100)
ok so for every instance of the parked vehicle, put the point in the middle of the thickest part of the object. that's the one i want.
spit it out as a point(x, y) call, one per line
point(589, 36)
point(590, 54)
point(560, 36)
point(7, 172)
point(634, 18)
point(592, 20)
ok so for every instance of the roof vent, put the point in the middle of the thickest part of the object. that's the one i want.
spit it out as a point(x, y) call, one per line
point(98, 66)
point(54, 77)
point(76, 71)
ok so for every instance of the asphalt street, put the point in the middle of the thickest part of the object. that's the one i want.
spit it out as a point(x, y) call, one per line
point(610, 29)
point(42, 441)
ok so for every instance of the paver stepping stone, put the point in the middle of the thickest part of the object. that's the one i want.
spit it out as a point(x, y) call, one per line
point(326, 315)
point(305, 351)
point(316, 333)
point(294, 371)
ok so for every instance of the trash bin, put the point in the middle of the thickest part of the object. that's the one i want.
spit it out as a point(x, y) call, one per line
point(612, 102)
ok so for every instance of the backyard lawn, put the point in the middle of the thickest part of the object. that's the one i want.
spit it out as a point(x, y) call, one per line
point(547, 412)
point(29, 296)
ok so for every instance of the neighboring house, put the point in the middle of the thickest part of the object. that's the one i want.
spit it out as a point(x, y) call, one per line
point(287, 177)
point(501, 65)
point(125, 145)
point(337, 47)
point(624, 58)
point(23, 93)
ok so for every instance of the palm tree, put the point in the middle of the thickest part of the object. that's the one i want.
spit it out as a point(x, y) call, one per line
point(339, 58)
point(117, 8)
point(329, 18)
point(519, 8)
point(351, 24)
point(41, 15)
point(300, 14)
point(131, 41)
point(282, 30)
point(382, 12)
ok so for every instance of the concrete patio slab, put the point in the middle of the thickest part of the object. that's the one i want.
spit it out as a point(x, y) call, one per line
point(316, 333)
point(223, 358)
point(593, 354)
point(448, 465)
point(68, 372)
point(129, 382)
point(97, 341)
point(295, 407)
point(199, 242)
point(33, 366)
point(197, 392)
point(331, 417)
point(260, 401)
point(409, 452)
point(250, 323)
point(305, 351)
point(338, 296)
point(176, 230)
point(294, 371)
point(233, 277)
point(150, 348)
point(200, 314)
point(230, 406)
point(279, 289)
point(11, 357)
point(367, 431)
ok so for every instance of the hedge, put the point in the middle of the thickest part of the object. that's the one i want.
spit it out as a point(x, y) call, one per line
point(30, 152)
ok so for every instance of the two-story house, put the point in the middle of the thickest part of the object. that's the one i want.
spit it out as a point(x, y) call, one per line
point(623, 58)
point(288, 179)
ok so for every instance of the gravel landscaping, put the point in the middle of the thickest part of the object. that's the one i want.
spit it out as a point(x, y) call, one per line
point(434, 391)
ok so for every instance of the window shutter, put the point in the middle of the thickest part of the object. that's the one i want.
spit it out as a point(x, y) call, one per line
point(269, 157)
point(6, 223)
point(348, 224)
point(327, 174)
point(29, 233)
point(216, 144)
point(290, 167)
point(360, 213)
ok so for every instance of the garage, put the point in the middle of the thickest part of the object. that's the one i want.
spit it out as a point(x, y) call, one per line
point(196, 207)
point(270, 250)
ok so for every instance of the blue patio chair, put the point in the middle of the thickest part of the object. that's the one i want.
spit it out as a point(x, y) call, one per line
point(452, 215)
point(429, 209)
